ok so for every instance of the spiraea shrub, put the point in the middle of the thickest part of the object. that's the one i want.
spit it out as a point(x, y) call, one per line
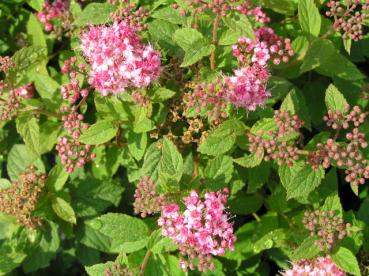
point(184, 137)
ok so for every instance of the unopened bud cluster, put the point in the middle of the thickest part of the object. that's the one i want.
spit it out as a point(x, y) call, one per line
point(208, 99)
point(321, 266)
point(6, 64)
point(327, 227)
point(347, 156)
point(147, 200)
point(266, 46)
point(222, 7)
point(51, 11)
point(10, 102)
point(140, 99)
point(117, 270)
point(20, 200)
point(73, 90)
point(273, 143)
point(73, 154)
point(349, 20)
point(134, 17)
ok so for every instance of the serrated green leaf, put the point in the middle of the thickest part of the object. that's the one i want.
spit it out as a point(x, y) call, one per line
point(249, 161)
point(63, 210)
point(346, 260)
point(300, 179)
point(223, 138)
point(57, 178)
point(309, 17)
point(27, 127)
point(95, 13)
point(137, 143)
point(307, 250)
point(125, 233)
point(334, 99)
point(99, 133)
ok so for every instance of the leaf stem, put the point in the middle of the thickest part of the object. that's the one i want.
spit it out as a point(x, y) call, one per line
point(215, 41)
point(145, 262)
point(256, 217)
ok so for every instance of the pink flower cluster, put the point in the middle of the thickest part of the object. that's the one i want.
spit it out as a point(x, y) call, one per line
point(51, 11)
point(247, 88)
point(201, 231)
point(322, 266)
point(266, 46)
point(26, 91)
point(118, 59)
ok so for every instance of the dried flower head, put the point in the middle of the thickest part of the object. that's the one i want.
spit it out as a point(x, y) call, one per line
point(20, 200)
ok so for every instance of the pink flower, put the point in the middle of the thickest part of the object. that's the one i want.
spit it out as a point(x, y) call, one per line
point(118, 59)
point(267, 45)
point(247, 88)
point(322, 266)
point(201, 231)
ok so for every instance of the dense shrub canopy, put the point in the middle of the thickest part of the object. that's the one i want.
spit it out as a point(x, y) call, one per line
point(184, 137)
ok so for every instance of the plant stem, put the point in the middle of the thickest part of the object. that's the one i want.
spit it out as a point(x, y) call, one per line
point(144, 263)
point(256, 216)
point(215, 41)
point(42, 111)
point(196, 21)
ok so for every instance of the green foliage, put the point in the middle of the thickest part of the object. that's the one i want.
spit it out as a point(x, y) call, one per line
point(88, 217)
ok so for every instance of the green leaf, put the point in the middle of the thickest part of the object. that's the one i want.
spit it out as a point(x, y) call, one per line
point(63, 210)
point(111, 107)
point(46, 87)
point(4, 183)
point(239, 24)
point(35, 32)
point(300, 179)
point(29, 56)
point(40, 256)
point(169, 14)
point(91, 196)
point(287, 7)
point(334, 100)
point(28, 128)
point(346, 260)
point(194, 44)
point(218, 172)
point(325, 58)
point(126, 234)
point(152, 162)
point(95, 13)
point(309, 17)
point(57, 178)
point(98, 269)
point(162, 94)
point(162, 32)
point(249, 161)
point(307, 250)
point(171, 166)
point(295, 103)
point(223, 138)
point(99, 133)
point(137, 143)
point(244, 204)
point(19, 158)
